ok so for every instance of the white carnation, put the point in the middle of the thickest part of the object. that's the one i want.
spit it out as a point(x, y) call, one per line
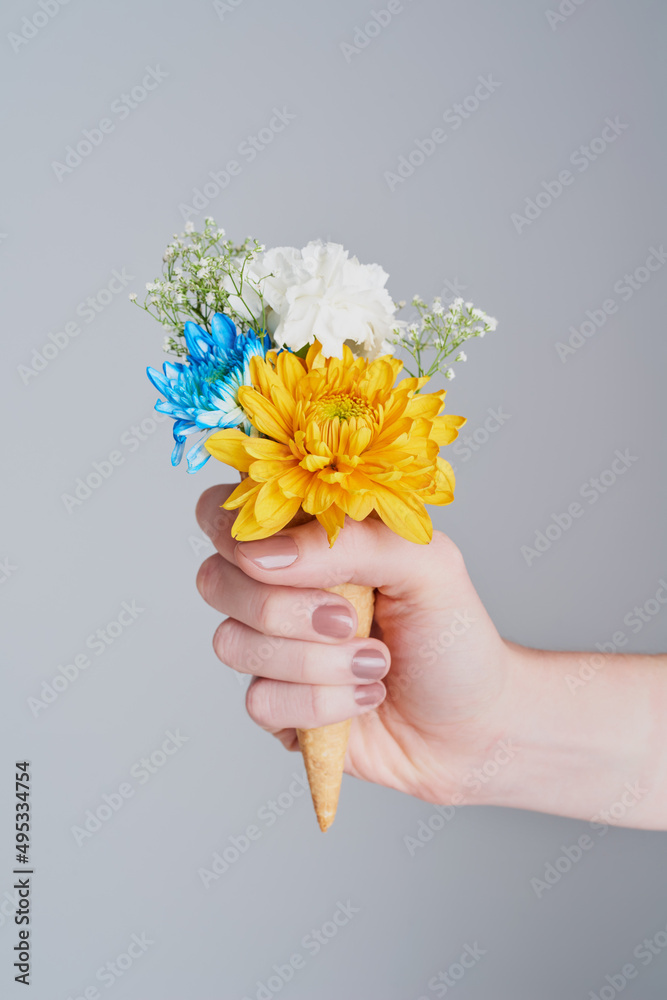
point(320, 293)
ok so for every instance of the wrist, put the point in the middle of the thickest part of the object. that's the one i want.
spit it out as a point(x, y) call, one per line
point(577, 750)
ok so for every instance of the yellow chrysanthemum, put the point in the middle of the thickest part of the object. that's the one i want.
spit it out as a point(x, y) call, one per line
point(340, 439)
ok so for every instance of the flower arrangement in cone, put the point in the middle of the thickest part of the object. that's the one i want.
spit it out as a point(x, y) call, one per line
point(284, 366)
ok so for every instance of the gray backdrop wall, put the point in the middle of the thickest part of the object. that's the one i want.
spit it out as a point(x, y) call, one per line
point(577, 88)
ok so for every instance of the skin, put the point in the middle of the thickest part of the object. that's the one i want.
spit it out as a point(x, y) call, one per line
point(461, 715)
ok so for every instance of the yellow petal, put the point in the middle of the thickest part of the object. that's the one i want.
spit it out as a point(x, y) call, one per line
point(377, 380)
point(262, 374)
point(315, 462)
point(405, 514)
point(290, 369)
point(294, 482)
point(356, 505)
point(247, 528)
point(428, 405)
point(267, 449)
point(444, 484)
point(445, 428)
point(229, 446)
point(273, 508)
point(314, 357)
point(264, 415)
point(392, 431)
point(262, 470)
point(243, 492)
point(318, 495)
point(332, 520)
point(359, 440)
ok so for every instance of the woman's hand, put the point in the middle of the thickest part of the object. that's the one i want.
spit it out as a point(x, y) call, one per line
point(425, 692)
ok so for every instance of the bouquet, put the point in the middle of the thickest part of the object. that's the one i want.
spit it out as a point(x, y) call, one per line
point(284, 368)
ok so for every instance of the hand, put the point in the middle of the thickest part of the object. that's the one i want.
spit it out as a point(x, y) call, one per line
point(424, 693)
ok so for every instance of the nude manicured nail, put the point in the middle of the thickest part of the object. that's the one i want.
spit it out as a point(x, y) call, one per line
point(369, 694)
point(333, 620)
point(369, 663)
point(277, 552)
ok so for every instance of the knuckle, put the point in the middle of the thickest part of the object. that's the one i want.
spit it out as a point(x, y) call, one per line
point(213, 519)
point(207, 576)
point(265, 611)
point(318, 701)
point(259, 702)
point(301, 661)
point(445, 552)
point(226, 642)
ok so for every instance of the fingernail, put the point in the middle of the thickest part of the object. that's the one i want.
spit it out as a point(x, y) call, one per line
point(369, 663)
point(333, 620)
point(369, 694)
point(277, 552)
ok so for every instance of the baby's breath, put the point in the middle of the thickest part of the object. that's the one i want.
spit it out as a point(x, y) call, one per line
point(439, 332)
point(201, 273)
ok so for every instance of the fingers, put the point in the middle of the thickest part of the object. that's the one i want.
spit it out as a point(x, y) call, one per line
point(211, 517)
point(366, 552)
point(273, 610)
point(360, 661)
point(277, 705)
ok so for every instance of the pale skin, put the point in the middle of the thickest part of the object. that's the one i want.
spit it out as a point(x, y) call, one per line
point(456, 714)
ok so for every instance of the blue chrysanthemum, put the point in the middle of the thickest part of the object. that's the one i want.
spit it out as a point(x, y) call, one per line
point(201, 393)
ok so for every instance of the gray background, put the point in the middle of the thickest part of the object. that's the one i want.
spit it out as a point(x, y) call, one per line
point(135, 539)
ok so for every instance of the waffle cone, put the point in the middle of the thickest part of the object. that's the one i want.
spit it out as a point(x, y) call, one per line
point(324, 748)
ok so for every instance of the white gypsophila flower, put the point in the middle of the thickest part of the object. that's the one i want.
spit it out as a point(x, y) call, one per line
point(438, 308)
point(492, 323)
point(149, 286)
point(189, 227)
point(133, 296)
point(320, 293)
point(461, 356)
point(450, 373)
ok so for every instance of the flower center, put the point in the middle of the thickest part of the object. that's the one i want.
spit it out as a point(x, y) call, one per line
point(219, 370)
point(341, 405)
point(216, 374)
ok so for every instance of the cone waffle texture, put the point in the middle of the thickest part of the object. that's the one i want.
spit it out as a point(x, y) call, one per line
point(324, 748)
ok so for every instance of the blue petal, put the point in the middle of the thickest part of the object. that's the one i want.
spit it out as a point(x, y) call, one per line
point(234, 417)
point(177, 453)
point(182, 428)
point(196, 340)
point(172, 410)
point(210, 418)
point(158, 381)
point(223, 332)
point(197, 457)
